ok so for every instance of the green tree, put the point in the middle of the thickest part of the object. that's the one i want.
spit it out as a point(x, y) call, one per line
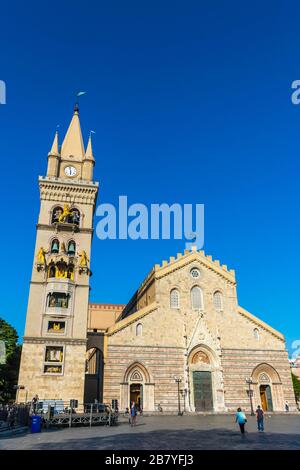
point(296, 385)
point(9, 369)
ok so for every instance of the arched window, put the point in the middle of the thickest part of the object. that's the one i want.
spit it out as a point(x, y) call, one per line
point(58, 300)
point(92, 361)
point(51, 271)
point(74, 217)
point(218, 301)
point(57, 211)
point(174, 298)
point(139, 329)
point(256, 333)
point(55, 246)
point(71, 248)
point(70, 272)
point(197, 298)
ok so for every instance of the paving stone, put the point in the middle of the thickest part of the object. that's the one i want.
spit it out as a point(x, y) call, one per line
point(168, 433)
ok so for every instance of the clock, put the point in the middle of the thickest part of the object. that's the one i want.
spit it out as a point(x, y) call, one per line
point(70, 171)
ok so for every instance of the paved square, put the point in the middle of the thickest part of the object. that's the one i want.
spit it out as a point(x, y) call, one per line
point(168, 433)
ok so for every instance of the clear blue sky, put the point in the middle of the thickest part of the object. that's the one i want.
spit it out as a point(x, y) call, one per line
point(191, 103)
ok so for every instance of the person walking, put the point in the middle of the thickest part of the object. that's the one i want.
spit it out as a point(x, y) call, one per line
point(11, 417)
point(260, 418)
point(286, 406)
point(133, 414)
point(34, 404)
point(241, 419)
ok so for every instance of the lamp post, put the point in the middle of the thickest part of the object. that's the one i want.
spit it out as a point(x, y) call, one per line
point(250, 394)
point(178, 381)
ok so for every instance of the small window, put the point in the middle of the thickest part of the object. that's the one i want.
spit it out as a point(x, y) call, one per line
point(51, 270)
point(139, 329)
point(195, 273)
point(256, 333)
point(56, 213)
point(70, 272)
point(58, 300)
point(218, 301)
point(71, 248)
point(56, 327)
point(197, 298)
point(74, 217)
point(54, 356)
point(61, 270)
point(55, 246)
point(92, 361)
point(174, 298)
point(65, 215)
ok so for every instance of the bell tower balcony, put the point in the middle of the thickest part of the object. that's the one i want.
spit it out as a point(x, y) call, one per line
point(59, 297)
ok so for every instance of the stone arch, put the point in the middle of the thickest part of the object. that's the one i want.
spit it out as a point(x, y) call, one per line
point(50, 243)
point(266, 369)
point(136, 376)
point(93, 380)
point(137, 366)
point(218, 298)
point(213, 359)
point(200, 357)
point(197, 297)
point(54, 212)
point(137, 380)
point(204, 370)
point(174, 298)
point(267, 388)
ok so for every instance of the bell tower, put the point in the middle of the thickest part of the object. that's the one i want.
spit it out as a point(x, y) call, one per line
point(54, 345)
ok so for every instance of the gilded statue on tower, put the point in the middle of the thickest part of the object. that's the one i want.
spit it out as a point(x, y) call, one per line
point(65, 214)
point(41, 256)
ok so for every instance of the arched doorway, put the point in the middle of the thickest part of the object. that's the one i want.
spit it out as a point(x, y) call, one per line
point(202, 381)
point(266, 397)
point(137, 387)
point(136, 395)
point(205, 380)
point(267, 388)
point(93, 375)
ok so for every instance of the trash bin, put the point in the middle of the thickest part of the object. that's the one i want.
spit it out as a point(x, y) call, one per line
point(36, 422)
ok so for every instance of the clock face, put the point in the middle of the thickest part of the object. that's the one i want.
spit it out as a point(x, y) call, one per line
point(70, 171)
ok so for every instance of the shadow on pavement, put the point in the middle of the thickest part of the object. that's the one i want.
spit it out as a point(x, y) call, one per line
point(183, 439)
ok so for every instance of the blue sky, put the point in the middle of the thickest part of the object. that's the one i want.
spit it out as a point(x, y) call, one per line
point(191, 103)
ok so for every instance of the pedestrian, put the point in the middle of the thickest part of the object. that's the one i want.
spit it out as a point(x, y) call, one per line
point(287, 407)
point(241, 419)
point(34, 404)
point(260, 418)
point(133, 414)
point(11, 417)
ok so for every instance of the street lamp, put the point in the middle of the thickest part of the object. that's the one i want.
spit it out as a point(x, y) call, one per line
point(178, 380)
point(250, 394)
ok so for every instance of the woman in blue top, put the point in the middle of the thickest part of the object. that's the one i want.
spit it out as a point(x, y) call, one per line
point(240, 418)
point(133, 414)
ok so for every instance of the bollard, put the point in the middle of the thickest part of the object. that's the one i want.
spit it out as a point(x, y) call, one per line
point(70, 418)
point(91, 415)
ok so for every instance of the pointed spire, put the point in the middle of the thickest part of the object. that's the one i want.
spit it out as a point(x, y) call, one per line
point(54, 149)
point(73, 143)
point(89, 150)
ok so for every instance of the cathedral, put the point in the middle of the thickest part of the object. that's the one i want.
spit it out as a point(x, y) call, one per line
point(182, 343)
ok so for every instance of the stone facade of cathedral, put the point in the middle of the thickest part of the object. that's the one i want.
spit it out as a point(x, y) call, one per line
point(181, 341)
point(185, 324)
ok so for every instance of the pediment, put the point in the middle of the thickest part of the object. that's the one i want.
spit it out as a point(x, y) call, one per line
point(190, 257)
